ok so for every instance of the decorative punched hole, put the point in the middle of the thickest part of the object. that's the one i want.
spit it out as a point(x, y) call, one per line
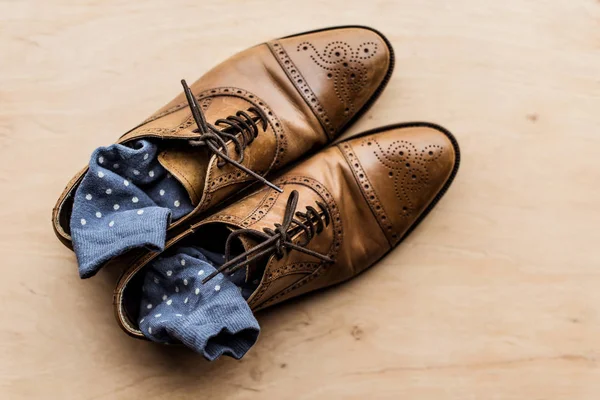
point(305, 48)
point(330, 75)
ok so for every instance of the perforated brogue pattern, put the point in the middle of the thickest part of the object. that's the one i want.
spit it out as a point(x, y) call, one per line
point(302, 86)
point(369, 192)
point(345, 66)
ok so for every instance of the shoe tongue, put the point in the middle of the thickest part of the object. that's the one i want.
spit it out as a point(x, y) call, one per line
point(255, 269)
point(188, 165)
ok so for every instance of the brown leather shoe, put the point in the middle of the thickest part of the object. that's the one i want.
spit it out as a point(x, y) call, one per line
point(341, 211)
point(282, 100)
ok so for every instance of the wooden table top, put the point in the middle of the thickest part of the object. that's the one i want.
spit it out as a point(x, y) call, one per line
point(495, 296)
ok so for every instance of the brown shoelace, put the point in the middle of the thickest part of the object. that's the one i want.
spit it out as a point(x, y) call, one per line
point(216, 139)
point(277, 240)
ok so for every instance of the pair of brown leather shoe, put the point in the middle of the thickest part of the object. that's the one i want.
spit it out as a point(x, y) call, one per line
point(327, 218)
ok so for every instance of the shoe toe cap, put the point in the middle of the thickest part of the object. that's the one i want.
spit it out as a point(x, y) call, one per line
point(402, 172)
point(338, 71)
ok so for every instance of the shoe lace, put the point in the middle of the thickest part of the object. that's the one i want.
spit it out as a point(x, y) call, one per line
point(276, 241)
point(216, 139)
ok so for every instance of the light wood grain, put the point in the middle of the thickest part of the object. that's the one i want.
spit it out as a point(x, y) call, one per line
point(495, 296)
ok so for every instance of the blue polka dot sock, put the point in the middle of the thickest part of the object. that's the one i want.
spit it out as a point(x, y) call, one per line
point(125, 201)
point(213, 319)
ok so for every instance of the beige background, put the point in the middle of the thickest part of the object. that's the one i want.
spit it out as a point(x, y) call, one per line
point(495, 296)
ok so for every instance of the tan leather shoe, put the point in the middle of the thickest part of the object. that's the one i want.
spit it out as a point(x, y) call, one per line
point(341, 211)
point(282, 100)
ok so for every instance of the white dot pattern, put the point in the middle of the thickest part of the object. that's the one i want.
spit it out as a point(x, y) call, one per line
point(114, 197)
point(180, 283)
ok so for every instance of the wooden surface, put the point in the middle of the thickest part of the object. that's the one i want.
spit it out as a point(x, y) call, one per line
point(495, 296)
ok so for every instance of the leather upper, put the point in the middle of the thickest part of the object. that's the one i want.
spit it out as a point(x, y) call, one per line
point(309, 87)
point(375, 189)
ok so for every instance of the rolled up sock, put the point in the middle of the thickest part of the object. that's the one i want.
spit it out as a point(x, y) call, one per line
point(125, 201)
point(212, 319)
